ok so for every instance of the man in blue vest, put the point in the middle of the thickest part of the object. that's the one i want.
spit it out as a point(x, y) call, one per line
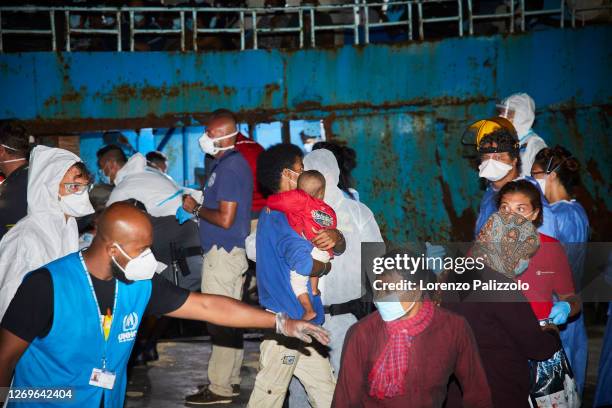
point(72, 323)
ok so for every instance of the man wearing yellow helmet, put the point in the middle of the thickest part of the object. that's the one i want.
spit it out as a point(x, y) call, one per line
point(500, 162)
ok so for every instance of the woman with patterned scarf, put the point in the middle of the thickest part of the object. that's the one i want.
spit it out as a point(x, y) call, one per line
point(506, 329)
point(404, 354)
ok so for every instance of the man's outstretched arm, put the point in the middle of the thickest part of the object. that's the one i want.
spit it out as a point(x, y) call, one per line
point(225, 311)
point(11, 349)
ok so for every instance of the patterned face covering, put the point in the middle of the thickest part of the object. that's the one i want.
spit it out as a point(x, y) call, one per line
point(506, 242)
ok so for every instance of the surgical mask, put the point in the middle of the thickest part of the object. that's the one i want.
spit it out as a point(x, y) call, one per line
point(207, 144)
point(12, 160)
point(391, 309)
point(290, 179)
point(76, 205)
point(542, 183)
point(493, 170)
point(142, 267)
point(308, 147)
point(521, 267)
point(138, 18)
point(103, 178)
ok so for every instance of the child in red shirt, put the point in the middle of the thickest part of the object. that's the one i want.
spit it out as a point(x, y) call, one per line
point(307, 214)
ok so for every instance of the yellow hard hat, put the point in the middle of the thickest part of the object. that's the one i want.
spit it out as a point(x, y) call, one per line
point(479, 129)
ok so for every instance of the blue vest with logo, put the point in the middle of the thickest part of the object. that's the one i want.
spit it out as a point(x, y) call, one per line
point(75, 344)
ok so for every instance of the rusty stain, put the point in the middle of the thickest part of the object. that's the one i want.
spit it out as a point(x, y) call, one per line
point(593, 169)
point(461, 226)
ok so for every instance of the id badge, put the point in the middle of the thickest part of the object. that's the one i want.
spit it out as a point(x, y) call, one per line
point(102, 378)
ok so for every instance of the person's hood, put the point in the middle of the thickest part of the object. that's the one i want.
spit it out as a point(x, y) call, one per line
point(136, 164)
point(325, 162)
point(524, 112)
point(47, 168)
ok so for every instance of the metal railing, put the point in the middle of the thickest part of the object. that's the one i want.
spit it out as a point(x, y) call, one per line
point(249, 22)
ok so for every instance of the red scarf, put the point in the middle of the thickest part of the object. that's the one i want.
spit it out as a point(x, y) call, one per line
point(388, 375)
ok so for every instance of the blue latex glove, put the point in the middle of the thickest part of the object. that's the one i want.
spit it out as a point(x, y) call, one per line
point(183, 216)
point(560, 312)
point(437, 252)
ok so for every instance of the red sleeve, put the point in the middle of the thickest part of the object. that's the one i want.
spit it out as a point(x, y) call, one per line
point(351, 379)
point(563, 283)
point(250, 150)
point(556, 260)
point(287, 203)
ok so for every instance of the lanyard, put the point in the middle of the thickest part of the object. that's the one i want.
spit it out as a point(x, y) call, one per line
point(93, 292)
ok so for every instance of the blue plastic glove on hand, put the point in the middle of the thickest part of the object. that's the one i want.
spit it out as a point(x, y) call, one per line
point(436, 252)
point(560, 312)
point(183, 216)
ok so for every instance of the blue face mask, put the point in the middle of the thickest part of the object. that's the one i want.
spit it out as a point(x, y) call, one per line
point(390, 308)
point(103, 178)
point(520, 268)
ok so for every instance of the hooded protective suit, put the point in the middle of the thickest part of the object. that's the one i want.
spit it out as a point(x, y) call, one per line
point(160, 194)
point(524, 115)
point(44, 234)
point(355, 221)
point(343, 283)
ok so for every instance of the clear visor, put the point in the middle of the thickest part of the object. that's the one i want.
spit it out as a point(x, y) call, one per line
point(505, 111)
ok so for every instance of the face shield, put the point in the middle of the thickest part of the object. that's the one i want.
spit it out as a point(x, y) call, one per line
point(504, 110)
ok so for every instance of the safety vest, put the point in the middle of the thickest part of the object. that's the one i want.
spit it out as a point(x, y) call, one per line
point(75, 344)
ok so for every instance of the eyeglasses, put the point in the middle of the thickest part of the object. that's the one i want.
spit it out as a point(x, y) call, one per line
point(77, 188)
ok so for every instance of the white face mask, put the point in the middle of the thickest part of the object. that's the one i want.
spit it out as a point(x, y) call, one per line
point(12, 160)
point(208, 145)
point(290, 179)
point(142, 267)
point(493, 170)
point(76, 205)
point(542, 183)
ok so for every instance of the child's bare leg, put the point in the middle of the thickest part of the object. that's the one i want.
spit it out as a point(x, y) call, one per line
point(309, 312)
point(314, 284)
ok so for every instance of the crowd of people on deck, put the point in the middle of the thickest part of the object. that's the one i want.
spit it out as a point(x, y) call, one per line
point(77, 304)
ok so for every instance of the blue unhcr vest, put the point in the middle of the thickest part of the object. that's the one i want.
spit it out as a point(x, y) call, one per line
point(75, 344)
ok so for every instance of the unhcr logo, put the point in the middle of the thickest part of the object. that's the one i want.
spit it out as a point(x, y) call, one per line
point(130, 328)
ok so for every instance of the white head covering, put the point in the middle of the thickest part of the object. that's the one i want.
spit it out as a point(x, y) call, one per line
point(325, 163)
point(524, 112)
point(44, 234)
point(357, 224)
point(160, 195)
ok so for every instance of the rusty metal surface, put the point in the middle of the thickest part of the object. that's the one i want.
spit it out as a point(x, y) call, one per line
point(403, 108)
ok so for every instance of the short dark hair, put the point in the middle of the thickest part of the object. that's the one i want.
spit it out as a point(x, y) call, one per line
point(16, 137)
point(505, 141)
point(156, 156)
point(271, 163)
point(527, 188)
point(563, 163)
point(117, 153)
point(223, 114)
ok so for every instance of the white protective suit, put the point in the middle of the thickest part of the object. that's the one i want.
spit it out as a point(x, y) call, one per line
point(159, 193)
point(357, 223)
point(524, 115)
point(44, 234)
